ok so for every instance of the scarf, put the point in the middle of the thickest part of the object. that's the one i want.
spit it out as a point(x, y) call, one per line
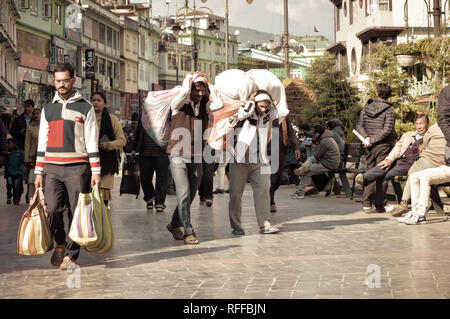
point(108, 159)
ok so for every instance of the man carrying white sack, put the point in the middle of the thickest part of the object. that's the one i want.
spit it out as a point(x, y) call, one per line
point(250, 162)
point(189, 121)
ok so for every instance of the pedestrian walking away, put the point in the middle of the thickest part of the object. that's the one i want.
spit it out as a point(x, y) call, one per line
point(68, 161)
point(152, 159)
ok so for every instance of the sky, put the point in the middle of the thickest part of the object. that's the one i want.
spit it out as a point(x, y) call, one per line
point(267, 15)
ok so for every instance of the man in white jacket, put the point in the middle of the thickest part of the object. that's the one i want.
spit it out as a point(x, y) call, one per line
point(250, 161)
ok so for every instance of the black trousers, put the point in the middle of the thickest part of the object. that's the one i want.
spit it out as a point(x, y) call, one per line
point(205, 190)
point(63, 184)
point(148, 166)
point(277, 178)
point(376, 155)
point(381, 177)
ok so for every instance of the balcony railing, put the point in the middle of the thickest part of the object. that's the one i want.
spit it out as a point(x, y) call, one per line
point(421, 88)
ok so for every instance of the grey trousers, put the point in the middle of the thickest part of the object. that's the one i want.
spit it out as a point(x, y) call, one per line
point(239, 173)
point(419, 165)
point(187, 177)
point(306, 180)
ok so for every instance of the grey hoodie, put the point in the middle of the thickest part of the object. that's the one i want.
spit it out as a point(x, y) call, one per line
point(327, 151)
point(377, 121)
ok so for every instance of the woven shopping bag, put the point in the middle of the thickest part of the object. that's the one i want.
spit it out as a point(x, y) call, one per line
point(34, 236)
point(91, 225)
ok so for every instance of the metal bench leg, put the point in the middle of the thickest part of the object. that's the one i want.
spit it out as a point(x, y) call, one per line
point(397, 190)
point(436, 200)
point(345, 184)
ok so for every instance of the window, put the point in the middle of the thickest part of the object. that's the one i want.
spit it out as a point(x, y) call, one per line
point(218, 48)
point(383, 5)
point(354, 64)
point(127, 42)
point(101, 66)
point(217, 69)
point(186, 63)
point(345, 9)
point(24, 4)
point(351, 11)
point(135, 73)
point(128, 72)
point(101, 29)
point(109, 37)
point(142, 45)
point(361, 3)
point(109, 69)
point(46, 9)
point(34, 7)
point(210, 48)
point(135, 45)
point(172, 61)
point(59, 55)
point(58, 14)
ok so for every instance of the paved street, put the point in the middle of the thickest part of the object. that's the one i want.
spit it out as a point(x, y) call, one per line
point(323, 251)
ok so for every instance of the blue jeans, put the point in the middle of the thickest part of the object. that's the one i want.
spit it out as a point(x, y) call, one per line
point(14, 187)
point(187, 178)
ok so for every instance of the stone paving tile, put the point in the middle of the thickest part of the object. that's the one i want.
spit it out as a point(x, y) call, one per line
point(322, 252)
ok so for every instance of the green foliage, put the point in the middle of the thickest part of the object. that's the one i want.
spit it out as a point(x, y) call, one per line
point(335, 97)
point(435, 54)
point(382, 68)
point(410, 48)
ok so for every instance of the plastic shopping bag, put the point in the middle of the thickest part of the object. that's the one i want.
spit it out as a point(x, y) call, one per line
point(156, 115)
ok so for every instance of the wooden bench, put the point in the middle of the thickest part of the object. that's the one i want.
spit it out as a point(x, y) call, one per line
point(352, 154)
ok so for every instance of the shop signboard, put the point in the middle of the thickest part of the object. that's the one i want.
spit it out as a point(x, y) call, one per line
point(89, 64)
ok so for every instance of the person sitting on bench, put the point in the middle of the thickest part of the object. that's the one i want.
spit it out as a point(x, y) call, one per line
point(431, 156)
point(404, 154)
point(421, 181)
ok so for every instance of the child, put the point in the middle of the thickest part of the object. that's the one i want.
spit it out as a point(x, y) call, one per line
point(14, 172)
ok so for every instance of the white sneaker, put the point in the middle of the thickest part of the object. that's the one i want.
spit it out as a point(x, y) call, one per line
point(389, 208)
point(405, 218)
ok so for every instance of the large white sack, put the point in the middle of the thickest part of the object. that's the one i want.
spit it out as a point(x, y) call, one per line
point(267, 81)
point(235, 86)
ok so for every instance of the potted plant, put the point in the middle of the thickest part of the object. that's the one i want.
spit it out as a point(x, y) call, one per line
point(406, 54)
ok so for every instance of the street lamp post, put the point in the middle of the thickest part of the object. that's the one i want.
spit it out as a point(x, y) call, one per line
point(286, 41)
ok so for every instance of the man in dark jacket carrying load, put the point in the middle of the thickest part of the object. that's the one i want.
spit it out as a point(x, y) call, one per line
point(326, 158)
point(376, 124)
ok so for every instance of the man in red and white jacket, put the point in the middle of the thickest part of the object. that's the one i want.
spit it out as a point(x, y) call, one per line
point(67, 159)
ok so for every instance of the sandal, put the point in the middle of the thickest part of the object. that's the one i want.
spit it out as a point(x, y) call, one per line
point(58, 256)
point(177, 233)
point(67, 263)
point(191, 240)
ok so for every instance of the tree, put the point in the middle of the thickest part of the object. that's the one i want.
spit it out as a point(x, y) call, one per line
point(335, 97)
point(382, 67)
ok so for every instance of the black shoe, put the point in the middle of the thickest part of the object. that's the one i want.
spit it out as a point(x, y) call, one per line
point(58, 256)
point(219, 191)
point(202, 201)
point(150, 205)
point(209, 202)
point(8, 201)
point(160, 208)
point(16, 203)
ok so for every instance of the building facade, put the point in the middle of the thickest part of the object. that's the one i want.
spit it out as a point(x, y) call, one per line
point(360, 23)
point(9, 57)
